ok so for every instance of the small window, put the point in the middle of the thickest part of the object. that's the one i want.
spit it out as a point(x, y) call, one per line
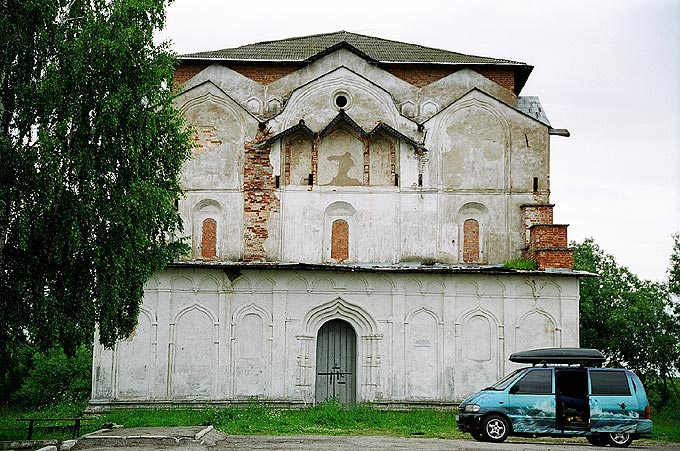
point(609, 383)
point(535, 382)
point(342, 100)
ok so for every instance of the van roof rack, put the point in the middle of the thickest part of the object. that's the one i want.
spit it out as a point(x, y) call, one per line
point(568, 356)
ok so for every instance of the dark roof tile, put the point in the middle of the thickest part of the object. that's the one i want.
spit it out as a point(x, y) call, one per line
point(307, 48)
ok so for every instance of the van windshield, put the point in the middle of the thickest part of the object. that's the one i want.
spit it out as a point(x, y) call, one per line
point(503, 383)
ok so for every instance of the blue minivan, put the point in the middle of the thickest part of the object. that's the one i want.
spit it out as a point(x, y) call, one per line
point(565, 392)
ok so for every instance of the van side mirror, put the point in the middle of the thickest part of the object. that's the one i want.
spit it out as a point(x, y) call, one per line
point(514, 389)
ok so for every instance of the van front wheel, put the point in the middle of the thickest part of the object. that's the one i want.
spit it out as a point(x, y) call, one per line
point(619, 439)
point(596, 440)
point(495, 428)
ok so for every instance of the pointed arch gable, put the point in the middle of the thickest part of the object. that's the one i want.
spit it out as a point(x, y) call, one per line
point(221, 75)
point(181, 283)
point(252, 309)
point(536, 311)
point(461, 82)
point(422, 310)
point(481, 96)
point(339, 78)
point(338, 308)
point(529, 334)
point(195, 306)
point(209, 283)
point(477, 310)
point(208, 91)
point(467, 287)
point(413, 286)
point(265, 285)
point(242, 284)
point(323, 284)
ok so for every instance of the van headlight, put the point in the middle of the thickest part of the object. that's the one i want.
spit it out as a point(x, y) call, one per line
point(470, 408)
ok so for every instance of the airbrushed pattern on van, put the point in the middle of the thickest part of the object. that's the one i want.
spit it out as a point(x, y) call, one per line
point(598, 413)
point(613, 420)
point(539, 417)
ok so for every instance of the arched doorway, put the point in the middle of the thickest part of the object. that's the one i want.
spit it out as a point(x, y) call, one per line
point(336, 362)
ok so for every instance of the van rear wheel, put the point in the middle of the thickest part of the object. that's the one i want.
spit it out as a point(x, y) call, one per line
point(495, 429)
point(619, 439)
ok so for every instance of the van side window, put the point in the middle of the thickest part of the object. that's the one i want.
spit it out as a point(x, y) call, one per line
point(610, 383)
point(535, 382)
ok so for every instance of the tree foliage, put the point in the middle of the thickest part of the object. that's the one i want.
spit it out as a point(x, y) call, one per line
point(632, 321)
point(674, 270)
point(91, 150)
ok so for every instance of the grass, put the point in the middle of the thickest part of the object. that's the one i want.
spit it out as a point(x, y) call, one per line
point(667, 425)
point(329, 418)
point(257, 419)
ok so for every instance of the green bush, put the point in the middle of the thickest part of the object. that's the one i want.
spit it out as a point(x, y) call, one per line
point(521, 263)
point(55, 378)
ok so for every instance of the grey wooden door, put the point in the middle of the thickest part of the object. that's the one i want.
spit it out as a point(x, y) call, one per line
point(336, 361)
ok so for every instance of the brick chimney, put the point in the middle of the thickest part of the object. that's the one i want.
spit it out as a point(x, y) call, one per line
point(546, 243)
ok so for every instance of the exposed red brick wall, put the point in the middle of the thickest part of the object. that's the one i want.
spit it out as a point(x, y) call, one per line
point(340, 240)
point(470, 241)
point(548, 235)
point(546, 243)
point(209, 239)
point(554, 258)
point(502, 76)
point(423, 75)
point(259, 200)
point(186, 71)
point(419, 75)
point(536, 214)
point(548, 246)
point(264, 73)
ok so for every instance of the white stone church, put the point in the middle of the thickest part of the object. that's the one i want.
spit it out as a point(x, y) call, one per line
point(350, 204)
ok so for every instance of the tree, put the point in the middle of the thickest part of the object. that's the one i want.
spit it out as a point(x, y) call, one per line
point(630, 320)
point(674, 270)
point(91, 150)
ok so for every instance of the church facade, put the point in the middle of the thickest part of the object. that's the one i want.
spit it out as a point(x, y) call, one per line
point(351, 203)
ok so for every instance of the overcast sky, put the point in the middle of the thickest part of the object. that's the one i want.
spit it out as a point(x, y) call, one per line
point(606, 70)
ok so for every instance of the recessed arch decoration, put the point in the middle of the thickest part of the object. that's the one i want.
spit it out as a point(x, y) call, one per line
point(339, 222)
point(479, 337)
point(473, 137)
point(355, 315)
point(323, 89)
point(536, 329)
point(251, 339)
point(193, 353)
point(472, 220)
point(133, 377)
point(423, 349)
point(207, 218)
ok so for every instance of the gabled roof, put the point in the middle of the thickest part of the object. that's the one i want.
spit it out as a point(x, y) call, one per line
point(308, 48)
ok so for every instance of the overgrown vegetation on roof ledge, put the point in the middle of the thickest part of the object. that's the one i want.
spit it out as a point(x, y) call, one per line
point(521, 263)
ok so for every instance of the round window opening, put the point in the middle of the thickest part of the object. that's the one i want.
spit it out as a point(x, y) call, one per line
point(341, 101)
